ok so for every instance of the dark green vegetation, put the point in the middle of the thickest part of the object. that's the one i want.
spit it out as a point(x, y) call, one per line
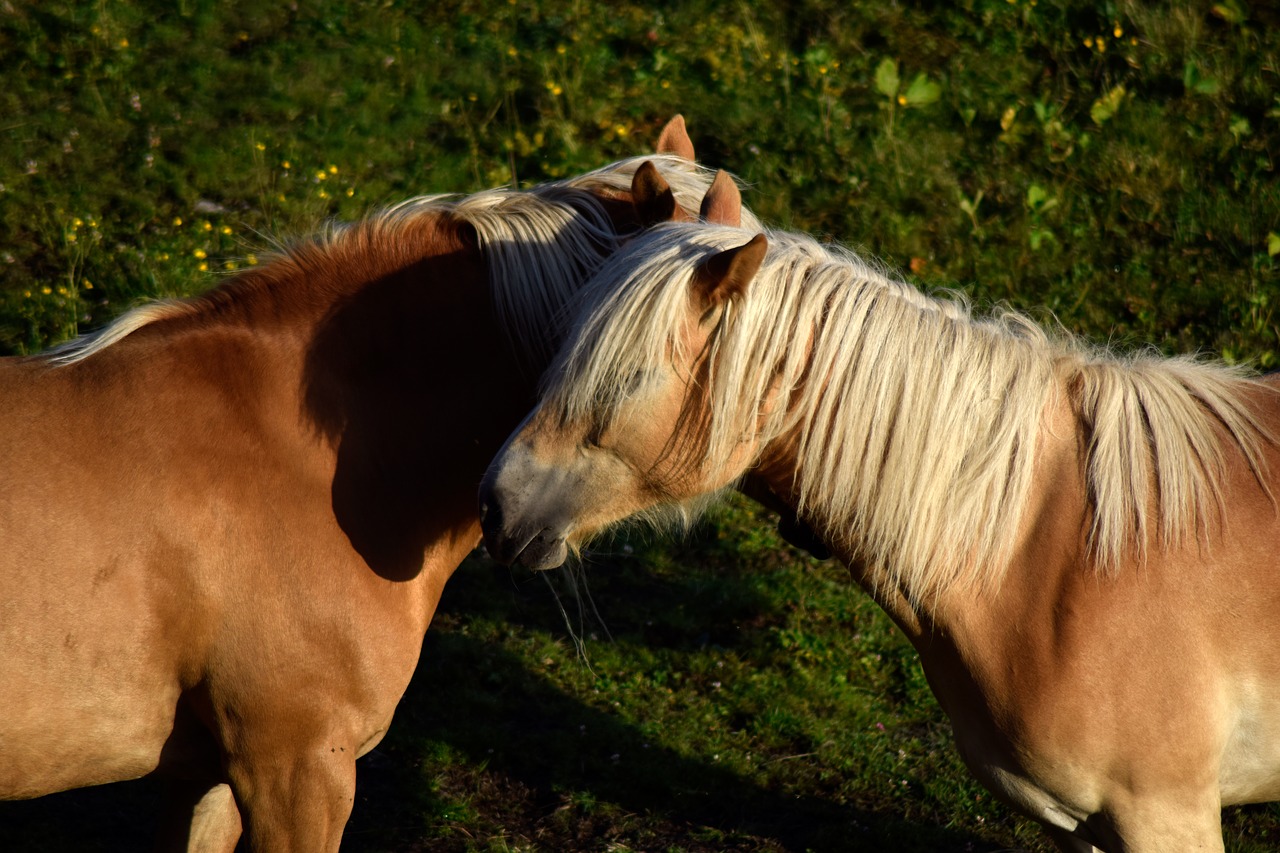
point(1111, 163)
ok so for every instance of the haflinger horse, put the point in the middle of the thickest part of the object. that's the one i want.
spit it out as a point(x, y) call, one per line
point(225, 523)
point(1080, 545)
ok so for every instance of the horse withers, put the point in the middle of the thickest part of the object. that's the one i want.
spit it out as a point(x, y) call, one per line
point(226, 522)
point(1080, 545)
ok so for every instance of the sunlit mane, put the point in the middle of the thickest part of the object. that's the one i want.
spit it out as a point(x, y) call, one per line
point(917, 422)
point(541, 245)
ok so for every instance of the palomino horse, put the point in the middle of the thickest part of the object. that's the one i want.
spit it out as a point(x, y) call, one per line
point(1081, 546)
point(226, 522)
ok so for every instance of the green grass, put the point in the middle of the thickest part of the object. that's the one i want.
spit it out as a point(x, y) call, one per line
point(1110, 163)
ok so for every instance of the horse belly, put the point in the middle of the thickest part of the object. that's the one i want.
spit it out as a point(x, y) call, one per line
point(88, 673)
point(57, 736)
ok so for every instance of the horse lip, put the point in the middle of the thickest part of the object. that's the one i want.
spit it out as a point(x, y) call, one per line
point(543, 552)
point(531, 547)
point(506, 547)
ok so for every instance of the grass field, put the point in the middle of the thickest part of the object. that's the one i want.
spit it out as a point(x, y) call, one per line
point(1109, 164)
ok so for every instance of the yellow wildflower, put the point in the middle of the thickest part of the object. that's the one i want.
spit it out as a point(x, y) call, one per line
point(226, 229)
point(177, 220)
point(46, 290)
point(204, 267)
point(200, 253)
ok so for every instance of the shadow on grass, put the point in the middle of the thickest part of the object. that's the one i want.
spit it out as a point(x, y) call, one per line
point(484, 750)
point(566, 776)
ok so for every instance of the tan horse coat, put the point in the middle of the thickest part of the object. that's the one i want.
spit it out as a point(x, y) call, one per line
point(225, 524)
point(1120, 691)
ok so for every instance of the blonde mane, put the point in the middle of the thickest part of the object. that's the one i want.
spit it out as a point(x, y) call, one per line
point(541, 245)
point(917, 423)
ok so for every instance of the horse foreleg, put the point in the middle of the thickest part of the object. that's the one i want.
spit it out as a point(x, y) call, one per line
point(201, 818)
point(298, 801)
point(1154, 828)
point(1069, 843)
point(1148, 825)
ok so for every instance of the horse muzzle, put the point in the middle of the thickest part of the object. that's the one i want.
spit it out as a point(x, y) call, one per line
point(519, 541)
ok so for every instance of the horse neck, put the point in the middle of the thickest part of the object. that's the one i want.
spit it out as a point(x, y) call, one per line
point(970, 621)
point(911, 431)
point(424, 332)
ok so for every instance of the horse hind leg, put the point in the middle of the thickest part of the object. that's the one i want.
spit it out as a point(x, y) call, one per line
point(201, 817)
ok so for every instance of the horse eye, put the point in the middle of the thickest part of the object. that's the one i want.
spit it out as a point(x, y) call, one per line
point(635, 382)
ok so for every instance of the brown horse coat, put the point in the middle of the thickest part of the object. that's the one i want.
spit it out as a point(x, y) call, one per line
point(225, 524)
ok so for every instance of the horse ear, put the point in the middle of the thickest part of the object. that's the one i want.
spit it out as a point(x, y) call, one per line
point(723, 203)
point(652, 196)
point(674, 139)
point(725, 275)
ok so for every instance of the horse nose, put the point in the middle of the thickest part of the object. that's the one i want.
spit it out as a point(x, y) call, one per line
point(501, 543)
point(490, 508)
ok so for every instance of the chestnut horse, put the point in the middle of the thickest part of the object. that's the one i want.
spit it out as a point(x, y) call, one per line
point(225, 523)
point(1081, 546)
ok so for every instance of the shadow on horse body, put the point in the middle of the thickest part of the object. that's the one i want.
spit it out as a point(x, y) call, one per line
point(227, 521)
point(1080, 546)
